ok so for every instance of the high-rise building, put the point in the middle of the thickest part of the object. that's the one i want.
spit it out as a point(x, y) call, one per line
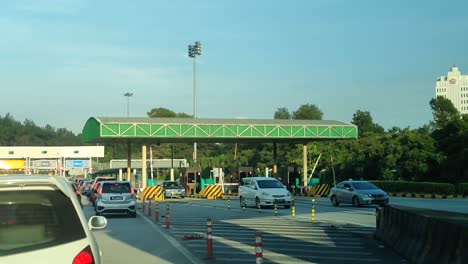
point(454, 87)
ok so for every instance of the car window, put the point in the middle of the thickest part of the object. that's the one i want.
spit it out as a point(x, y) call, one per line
point(170, 184)
point(347, 185)
point(35, 220)
point(253, 185)
point(116, 187)
point(340, 186)
point(266, 184)
point(246, 182)
point(364, 186)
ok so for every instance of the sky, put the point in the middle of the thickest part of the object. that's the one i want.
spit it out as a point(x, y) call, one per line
point(64, 61)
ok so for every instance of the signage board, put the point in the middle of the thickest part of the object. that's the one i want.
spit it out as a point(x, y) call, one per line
point(44, 164)
point(12, 164)
point(77, 164)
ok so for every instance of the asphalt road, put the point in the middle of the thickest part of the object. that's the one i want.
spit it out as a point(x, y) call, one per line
point(337, 234)
point(137, 240)
point(286, 239)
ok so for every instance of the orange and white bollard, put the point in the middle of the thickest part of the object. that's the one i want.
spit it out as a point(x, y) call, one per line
point(168, 217)
point(209, 240)
point(149, 208)
point(258, 249)
point(156, 213)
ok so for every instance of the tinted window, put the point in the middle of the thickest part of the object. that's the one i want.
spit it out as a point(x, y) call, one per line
point(170, 184)
point(264, 184)
point(31, 220)
point(116, 188)
point(364, 186)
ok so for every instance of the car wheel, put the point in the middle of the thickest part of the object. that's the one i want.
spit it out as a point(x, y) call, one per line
point(241, 201)
point(356, 202)
point(334, 201)
point(257, 202)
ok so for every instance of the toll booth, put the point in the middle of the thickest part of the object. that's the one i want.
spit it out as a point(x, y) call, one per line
point(191, 179)
point(294, 179)
point(243, 172)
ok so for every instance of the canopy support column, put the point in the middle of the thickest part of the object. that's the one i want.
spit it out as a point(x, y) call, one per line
point(129, 161)
point(143, 166)
point(304, 162)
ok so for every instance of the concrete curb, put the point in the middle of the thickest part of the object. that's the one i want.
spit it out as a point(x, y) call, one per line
point(425, 196)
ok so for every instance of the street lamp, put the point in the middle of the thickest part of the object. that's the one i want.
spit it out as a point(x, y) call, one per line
point(194, 51)
point(128, 95)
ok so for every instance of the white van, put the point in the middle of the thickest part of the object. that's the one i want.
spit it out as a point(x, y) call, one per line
point(263, 191)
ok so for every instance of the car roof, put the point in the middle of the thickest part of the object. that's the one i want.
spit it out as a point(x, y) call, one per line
point(260, 178)
point(33, 180)
point(119, 182)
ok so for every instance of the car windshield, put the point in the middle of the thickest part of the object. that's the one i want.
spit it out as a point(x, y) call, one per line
point(267, 184)
point(116, 188)
point(36, 219)
point(170, 184)
point(364, 186)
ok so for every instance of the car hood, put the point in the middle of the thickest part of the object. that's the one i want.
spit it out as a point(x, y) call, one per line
point(372, 192)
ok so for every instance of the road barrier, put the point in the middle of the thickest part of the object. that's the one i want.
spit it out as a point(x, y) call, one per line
point(258, 248)
point(229, 203)
point(156, 213)
point(422, 235)
point(168, 217)
point(293, 208)
point(243, 204)
point(192, 237)
point(276, 209)
point(424, 195)
point(312, 215)
point(149, 208)
point(209, 240)
point(211, 192)
point(321, 190)
point(152, 192)
point(144, 203)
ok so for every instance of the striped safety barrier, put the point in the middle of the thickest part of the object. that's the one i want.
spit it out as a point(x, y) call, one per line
point(321, 190)
point(211, 192)
point(152, 192)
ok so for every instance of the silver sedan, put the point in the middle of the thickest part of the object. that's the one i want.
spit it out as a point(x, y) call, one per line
point(357, 193)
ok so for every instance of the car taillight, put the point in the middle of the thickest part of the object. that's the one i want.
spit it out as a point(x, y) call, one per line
point(84, 257)
point(100, 191)
point(132, 191)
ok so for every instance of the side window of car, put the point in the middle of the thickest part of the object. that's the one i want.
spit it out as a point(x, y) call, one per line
point(347, 186)
point(246, 182)
point(253, 185)
point(340, 186)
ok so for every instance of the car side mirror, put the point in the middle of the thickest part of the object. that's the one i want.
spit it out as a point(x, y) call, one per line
point(97, 222)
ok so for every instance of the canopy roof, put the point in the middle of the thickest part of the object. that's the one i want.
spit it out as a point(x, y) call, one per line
point(180, 130)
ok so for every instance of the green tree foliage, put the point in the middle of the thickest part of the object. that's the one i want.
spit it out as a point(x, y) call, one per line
point(443, 111)
point(164, 112)
point(308, 112)
point(363, 120)
point(15, 133)
point(282, 113)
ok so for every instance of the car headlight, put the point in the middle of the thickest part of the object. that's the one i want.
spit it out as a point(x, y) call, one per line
point(366, 195)
point(265, 194)
point(288, 194)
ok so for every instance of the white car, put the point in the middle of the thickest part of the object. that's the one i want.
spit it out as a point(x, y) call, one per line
point(116, 197)
point(263, 191)
point(41, 221)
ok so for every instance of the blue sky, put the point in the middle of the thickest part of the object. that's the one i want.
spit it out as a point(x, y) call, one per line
point(62, 62)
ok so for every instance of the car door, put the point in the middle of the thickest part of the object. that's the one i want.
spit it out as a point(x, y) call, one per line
point(347, 193)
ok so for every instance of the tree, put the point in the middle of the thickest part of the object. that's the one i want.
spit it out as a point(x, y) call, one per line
point(164, 112)
point(308, 112)
point(363, 120)
point(282, 113)
point(443, 110)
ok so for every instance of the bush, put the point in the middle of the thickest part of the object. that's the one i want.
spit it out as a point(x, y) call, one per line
point(417, 187)
point(463, 189)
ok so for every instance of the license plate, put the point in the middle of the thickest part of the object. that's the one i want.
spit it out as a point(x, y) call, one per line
point(116, 198)
point(279, 200)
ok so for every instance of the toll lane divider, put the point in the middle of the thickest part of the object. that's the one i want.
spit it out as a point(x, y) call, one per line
point(211, 192)
point(426, 196)
point(321, 190)
point(152, 192)
point(423, 236)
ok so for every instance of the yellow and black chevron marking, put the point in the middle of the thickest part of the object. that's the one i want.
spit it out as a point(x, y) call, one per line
point(212, 192)
point(152, 192)
point(319, 190)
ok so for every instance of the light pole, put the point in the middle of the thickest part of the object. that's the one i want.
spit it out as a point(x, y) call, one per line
point(194, 51)
point(128, 95)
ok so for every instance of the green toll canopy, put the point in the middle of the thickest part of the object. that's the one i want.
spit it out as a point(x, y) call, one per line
point(186, 130)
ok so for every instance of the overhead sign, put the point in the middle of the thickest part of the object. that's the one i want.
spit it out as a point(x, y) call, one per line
point(77, 164)
point(12, 164)
point(45, 164)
